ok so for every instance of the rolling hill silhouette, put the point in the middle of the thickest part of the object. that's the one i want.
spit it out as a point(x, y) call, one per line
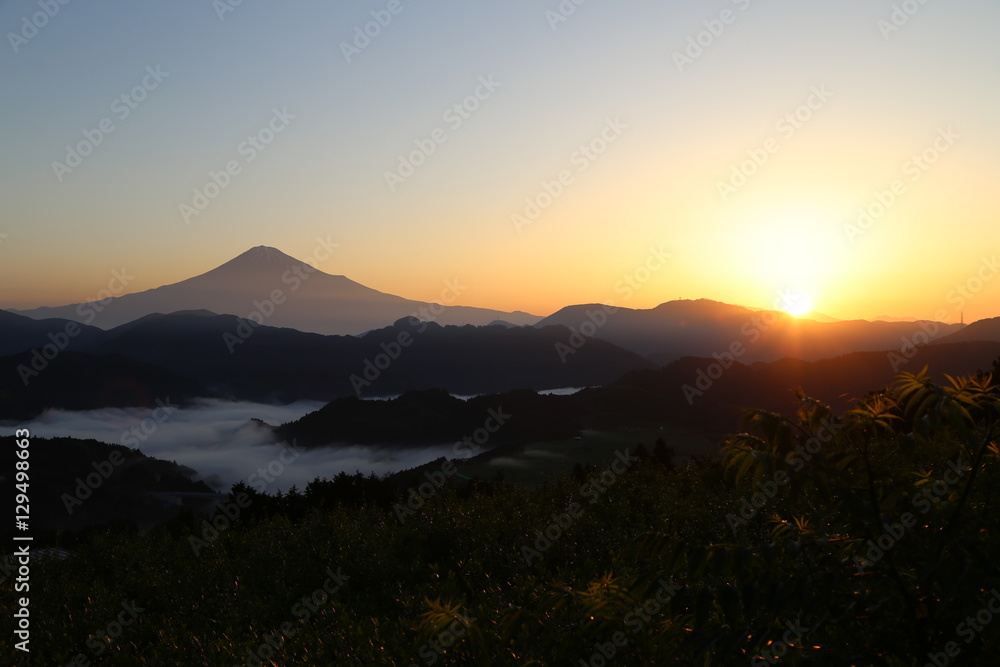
point(703, 327)
point(639, 398)
point(310, 300)
point(263, 363)
point(23, 333)
point(982, 330)
point(81, 381)
point(124, 495)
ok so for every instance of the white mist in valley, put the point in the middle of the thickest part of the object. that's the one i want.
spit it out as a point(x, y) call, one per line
point(219, 441)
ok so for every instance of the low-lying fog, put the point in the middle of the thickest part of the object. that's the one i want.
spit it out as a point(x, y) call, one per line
point(217, 440)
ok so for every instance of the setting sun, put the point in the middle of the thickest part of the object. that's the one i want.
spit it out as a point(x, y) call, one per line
point(796, 304)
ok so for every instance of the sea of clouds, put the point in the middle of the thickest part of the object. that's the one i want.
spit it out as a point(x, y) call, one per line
point(217, 439)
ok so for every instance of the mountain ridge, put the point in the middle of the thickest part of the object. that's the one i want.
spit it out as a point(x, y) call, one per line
point(703, 327)
point(265, 284)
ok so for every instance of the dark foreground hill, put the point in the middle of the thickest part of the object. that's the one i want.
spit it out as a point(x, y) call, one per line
point(76, 484)
point(702, 389)
point(695, 394)
point(827, 540)
point(434, 416)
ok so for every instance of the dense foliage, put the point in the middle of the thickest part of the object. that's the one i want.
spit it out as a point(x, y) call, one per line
point(864, 538)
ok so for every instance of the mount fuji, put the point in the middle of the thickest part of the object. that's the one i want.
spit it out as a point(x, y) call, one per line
point(267, 285)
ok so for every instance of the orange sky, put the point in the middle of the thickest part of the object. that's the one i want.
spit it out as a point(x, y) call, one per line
point(541, 176)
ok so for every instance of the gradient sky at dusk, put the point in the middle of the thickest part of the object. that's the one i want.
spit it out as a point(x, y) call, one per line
point(672, 135)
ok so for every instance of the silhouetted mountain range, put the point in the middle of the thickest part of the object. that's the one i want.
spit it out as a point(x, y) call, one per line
point(196, 352)
point(29, 383)
point(281, 291)
point(234, 359)
point(23, 333)
point(703, 328)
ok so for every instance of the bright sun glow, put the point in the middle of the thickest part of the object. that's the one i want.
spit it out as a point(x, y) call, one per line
point(790, 255)
point(797, 304)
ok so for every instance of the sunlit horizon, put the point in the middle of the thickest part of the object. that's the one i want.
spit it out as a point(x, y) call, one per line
point(797, 303)
point(540, 176)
